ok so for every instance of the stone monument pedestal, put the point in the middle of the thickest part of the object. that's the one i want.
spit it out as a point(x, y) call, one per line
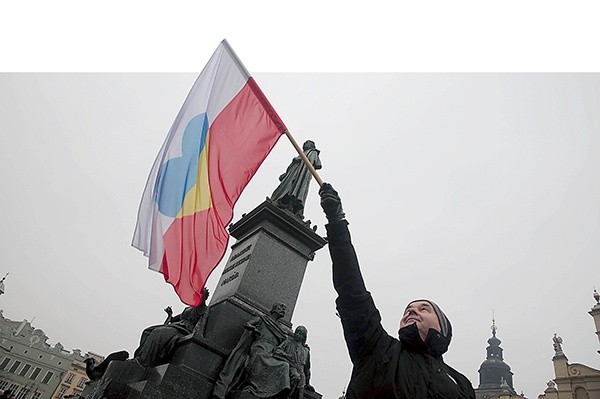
point(266, 265)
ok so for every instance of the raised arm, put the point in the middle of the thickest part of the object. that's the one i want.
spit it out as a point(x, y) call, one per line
point(347, 279)
point(360, 319)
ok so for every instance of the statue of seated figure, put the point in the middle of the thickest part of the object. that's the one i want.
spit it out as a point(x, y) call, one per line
point(158, 342)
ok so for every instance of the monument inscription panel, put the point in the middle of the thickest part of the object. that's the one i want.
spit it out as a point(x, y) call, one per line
point(234, 270)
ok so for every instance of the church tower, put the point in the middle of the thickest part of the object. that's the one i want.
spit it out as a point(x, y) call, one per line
point(495, 377)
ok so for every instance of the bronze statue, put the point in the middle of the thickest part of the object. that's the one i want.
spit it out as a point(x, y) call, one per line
point(292, 191)
point(251, 366)
point(158, 342)
point(295, 351)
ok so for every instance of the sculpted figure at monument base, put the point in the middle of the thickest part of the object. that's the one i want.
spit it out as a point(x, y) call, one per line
point(158, 342)
point(252, 367)
point(296, 352)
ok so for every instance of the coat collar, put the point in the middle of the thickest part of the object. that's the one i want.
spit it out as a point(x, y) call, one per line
point(435, 343)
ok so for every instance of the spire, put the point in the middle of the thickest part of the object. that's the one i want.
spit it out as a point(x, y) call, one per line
point(494, 374)
point(494, 342)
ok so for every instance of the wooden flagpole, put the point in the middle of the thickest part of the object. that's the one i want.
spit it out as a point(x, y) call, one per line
point(304, 158)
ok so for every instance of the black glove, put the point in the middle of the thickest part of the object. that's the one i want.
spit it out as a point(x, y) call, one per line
point(331, 203)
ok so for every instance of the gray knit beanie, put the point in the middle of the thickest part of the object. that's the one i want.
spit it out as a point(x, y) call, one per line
point(444, 322)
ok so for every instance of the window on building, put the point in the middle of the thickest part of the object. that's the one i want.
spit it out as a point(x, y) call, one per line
point(580, 393)
point(62, 391)
point(14, 367)
point(47, 377)
point(82, 382)
point(14, 387)
point(35, 373)
point(36, 395)
point(25, 369)
point(70, 377)
point(4, 363)
point(22, 392)
point(3, 384)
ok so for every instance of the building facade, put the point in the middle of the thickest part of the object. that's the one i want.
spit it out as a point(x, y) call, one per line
point(574, 380)
point(75, 378)
point(29, 366)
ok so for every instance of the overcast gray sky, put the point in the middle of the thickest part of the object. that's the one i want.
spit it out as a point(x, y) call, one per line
point(478, 191)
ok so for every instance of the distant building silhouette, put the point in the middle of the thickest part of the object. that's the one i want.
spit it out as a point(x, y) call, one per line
point(30, 367)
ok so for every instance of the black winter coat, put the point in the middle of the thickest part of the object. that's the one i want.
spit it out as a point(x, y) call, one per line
point(383, 366)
